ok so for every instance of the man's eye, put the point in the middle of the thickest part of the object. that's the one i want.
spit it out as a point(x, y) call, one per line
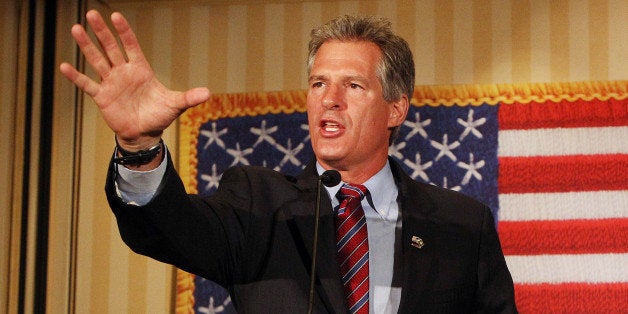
point(354, 86)
point(317, 84)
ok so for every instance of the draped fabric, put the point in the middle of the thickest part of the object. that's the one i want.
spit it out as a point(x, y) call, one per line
point(549, 159)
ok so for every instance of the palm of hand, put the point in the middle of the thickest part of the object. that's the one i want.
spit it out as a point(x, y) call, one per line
point(133, 103)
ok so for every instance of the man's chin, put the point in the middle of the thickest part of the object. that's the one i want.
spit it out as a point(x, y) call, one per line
point(330, 153)
point(328, 159)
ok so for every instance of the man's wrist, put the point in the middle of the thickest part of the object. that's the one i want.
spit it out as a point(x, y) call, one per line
point(139, 157)
point(136, 144)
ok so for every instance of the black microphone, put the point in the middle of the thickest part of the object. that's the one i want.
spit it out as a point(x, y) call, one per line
point(329, 178)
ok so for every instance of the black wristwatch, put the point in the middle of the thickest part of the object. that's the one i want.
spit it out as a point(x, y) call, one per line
point(138, 158)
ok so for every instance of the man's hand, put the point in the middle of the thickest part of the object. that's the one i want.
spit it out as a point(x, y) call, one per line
point(135, 105)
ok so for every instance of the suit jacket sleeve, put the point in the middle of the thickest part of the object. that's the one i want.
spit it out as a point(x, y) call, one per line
point(204, 236)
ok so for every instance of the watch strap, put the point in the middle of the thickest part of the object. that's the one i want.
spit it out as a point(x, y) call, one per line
point(138, 158)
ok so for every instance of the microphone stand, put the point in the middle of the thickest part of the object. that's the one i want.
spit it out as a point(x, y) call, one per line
point(317, 213)
point(328, 178)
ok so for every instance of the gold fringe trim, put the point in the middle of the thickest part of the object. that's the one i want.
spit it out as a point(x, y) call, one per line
point(184, 303)
point(249, 104)
point(476, 94)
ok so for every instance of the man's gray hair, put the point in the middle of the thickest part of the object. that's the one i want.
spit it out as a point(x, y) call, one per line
point(396, 69)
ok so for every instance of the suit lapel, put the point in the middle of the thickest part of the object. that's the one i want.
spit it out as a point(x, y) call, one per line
point(416, 239)
point(330, 290)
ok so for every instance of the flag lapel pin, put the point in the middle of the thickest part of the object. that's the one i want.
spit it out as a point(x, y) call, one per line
point(417, 242)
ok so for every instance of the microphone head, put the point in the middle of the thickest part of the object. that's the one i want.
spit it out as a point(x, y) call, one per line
point(330, 178)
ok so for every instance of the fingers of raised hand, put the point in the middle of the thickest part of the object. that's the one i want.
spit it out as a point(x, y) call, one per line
point(127, 38)
point(106, 38)
point(91, 52)
point(79, 79)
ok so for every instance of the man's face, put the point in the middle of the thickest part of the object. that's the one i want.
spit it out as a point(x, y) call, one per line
point(348, 117)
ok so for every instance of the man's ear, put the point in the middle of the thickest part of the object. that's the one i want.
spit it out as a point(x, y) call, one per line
point(398, 111)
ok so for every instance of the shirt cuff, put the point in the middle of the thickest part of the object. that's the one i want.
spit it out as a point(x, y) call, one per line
point(139, 187)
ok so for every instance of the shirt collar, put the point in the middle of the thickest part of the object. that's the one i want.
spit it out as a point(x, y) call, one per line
point(382, 188)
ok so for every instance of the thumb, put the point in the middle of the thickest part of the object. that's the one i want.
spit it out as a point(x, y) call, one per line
point(195, 96)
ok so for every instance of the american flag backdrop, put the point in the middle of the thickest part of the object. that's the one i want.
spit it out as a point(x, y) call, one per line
point(551, 160)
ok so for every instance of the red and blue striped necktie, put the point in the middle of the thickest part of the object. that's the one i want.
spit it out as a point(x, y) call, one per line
point(353, 247)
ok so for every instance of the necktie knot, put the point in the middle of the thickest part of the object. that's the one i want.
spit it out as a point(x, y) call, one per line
point(350, 195)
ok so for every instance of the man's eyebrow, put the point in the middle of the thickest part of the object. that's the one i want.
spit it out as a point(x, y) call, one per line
point(344, 78)
point(317, 77)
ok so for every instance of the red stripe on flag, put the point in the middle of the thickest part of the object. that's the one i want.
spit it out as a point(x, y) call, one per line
point(581, 113)
point(564, 236)
point(572, 298)
point(563, 173)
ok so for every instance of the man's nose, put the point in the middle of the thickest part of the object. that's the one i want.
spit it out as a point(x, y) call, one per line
point(333, 97)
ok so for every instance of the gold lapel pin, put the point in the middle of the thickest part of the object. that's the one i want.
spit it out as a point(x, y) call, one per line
point(417, 242)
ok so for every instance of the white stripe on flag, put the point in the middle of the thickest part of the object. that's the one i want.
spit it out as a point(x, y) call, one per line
point(564, 268)
point(563, 141)
point(563, 206)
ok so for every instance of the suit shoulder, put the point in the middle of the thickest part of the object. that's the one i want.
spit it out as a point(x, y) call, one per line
point(254, 173)
point(263, 184)
point(451, 195)
point(444, 205)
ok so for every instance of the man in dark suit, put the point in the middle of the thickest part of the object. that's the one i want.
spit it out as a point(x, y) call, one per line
point(422, 249)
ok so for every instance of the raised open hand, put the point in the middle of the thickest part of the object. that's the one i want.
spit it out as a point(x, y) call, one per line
point(135, 105)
